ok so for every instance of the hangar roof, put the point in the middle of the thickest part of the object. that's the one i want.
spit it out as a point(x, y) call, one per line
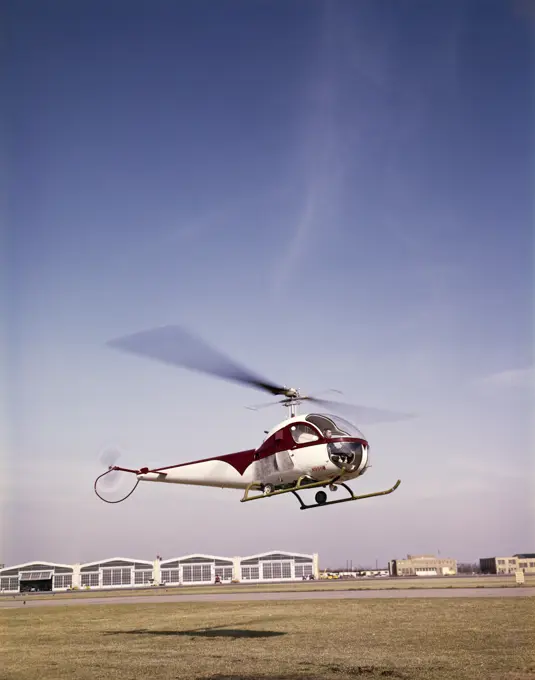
point(36, 566)
point(117, 562)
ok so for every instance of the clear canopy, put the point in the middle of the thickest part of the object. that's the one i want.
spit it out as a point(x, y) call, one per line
point(339, 427)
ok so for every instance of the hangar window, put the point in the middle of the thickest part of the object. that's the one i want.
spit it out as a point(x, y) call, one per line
point(276, 570)
point(9, 583)
point(141, 577)
point(116, 577)
point(250, 573)
point(35, 575)
point(63, 581)
point(198, 560)
point(170, 576)
point(90, 580)
point(195, 573)
point(303, 570)
point(224, 573)
point(170, 565)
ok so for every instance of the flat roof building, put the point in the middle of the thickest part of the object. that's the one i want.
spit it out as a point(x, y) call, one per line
point(423, 565)
point(508, 565)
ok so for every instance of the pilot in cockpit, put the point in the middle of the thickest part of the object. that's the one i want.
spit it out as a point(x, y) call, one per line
point(328, 433)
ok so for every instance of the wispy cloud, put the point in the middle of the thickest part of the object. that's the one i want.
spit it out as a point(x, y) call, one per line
point(513, 378)
point(320, 158)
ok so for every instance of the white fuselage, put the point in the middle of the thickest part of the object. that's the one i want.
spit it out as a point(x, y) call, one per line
point(284, 467)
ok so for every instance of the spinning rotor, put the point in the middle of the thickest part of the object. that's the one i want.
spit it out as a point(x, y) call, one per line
point(173, 345)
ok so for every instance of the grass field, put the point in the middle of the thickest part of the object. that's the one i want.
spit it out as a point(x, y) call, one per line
point(420, 639)
point(349, 584)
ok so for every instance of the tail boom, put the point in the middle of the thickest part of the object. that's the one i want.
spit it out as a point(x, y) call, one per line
point(211, 473)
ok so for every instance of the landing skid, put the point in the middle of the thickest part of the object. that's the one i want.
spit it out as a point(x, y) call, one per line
point(352, 497)
point(321, 497)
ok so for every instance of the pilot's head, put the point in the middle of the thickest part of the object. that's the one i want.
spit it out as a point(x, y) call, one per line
point(327, 433)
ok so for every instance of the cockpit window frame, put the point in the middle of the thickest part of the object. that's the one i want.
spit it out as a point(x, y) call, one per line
point(336, 424)
point(305, 426)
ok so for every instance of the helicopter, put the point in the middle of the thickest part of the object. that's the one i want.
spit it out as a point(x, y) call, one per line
point(315, 450)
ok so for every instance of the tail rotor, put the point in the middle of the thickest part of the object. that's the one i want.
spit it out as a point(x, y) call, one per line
point(112, 481)
point(111, 478)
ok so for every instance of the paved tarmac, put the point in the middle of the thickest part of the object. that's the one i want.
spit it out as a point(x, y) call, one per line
point(8, 603)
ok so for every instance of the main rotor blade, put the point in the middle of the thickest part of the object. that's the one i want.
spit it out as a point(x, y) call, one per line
point(178, 347)
point(361, 414)
point(257, 407)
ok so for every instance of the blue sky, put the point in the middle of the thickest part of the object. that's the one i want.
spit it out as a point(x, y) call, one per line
point(337, 194)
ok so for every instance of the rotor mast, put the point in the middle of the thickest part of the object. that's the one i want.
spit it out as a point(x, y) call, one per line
point(293, 399)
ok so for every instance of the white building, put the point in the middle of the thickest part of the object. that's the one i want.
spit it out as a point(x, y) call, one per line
point(196, 570)
point(45, 576)
point(278, 566)
point(123, 572)
point(115, 573)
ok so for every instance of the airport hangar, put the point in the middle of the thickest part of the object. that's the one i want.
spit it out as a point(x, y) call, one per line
point(120, 572)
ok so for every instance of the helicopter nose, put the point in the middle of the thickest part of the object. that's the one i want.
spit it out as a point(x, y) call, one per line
point(348, 455)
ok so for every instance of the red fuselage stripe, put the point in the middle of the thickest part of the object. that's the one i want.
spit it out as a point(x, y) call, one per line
point(241, 460)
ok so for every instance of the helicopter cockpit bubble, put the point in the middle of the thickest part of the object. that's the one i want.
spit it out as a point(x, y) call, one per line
point(337, 427)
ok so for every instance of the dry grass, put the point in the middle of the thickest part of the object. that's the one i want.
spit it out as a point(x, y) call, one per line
point(347, 584)
point(416, 639)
